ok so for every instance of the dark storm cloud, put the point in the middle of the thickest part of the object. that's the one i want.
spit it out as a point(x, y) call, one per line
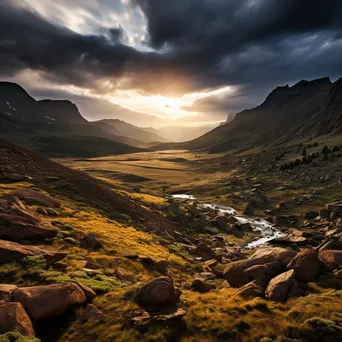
point(198, 44)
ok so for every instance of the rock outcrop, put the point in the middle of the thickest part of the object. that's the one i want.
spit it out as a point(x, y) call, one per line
point(306, 265)
point(13, 317)
point(157, 294)
point(34, 197)
point(49, 301)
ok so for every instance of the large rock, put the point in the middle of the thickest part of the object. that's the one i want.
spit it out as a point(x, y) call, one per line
point(332, 259)
point(251, 290)
point(6, 292)
point(263, 273)
point(36, 197)
point(49, 301)
point(11, 251)
point(306, 265)
point(156, 294)
point(205, 252)
point(202, 286)
point(235, 274)
point(13, 317)
point(283, 287)
point(19, 228)
point(275, 254)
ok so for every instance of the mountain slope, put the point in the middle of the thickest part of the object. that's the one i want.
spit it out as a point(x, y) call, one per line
point(122, 128)
point(305, 110)
point(50, 126)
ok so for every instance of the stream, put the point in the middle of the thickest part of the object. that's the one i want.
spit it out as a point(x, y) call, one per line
point(267, 230)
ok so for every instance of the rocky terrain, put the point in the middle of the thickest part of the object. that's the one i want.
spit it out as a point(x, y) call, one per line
point(85, 260)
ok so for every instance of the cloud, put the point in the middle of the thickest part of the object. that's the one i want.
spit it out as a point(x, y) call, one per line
point(171, 48)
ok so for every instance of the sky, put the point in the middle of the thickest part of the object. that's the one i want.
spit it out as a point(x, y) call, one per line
point(167, 62)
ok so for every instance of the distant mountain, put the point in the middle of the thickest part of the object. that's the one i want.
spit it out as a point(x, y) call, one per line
point(119, 127)
point(183, 133)
point(306, 110)
point(41, 124)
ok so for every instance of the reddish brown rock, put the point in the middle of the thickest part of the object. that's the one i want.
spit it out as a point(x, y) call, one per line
point(124, 275)
point(11, 251)
point(89, 293)
point(49, 301)
point(20, 228)
point(283, 287)
point(157, 293)
point(13, 317)
point(251, 290)
point(235, 274)
point(306, 265)
point(91, 312)
point(332, 259)
point(30, 196)
point(202, 286)
point(205, 252)
point(6, 292)
point(263, 273)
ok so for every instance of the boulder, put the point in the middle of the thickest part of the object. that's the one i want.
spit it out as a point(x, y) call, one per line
point(6, 292)
point(89, 293)
point(205, 252)
point(211, 263)
point(13, 317)
point(90, 242)
point(124, 275)
point(334, 208)
point(156, 294)
point(332, 259)
point(202, 286)
point(283, 287)
point(248, 209)
point(49, 301)
point(311, 214)
point(263, 273)
point(275, 254)
point(30, 196)
point(323, 213)
point(251, 290)
point(11, 251)
point(91, 312)
point(169, 319)
point(306, 265)
point(19, 228)
point(235, 274)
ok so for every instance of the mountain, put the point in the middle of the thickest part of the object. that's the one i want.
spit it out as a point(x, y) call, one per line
point(51, 126)
point(306, 110)
point(183, 133)
point(119, 127)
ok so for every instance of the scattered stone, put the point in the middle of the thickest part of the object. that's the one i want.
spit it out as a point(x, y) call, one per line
point(311, 214)
point(91, 312)
point(210, 230)
point(205, 252)
point(89, 293)
point(211, 263)
point(156, 294)
point(161, 266)
point(170, 318)
point(206, 275)
point(90, 242)
point(251, 290)
point(306, 265)
point(248, 210)
point(49, 301)
point(124, 275)
point(202, 286)
point(6, 292)
point(41, 211)
point(11, 251)
point(324, 213)
point(283, 287)
point(19, 228)
point(335, 208)
point(332, 259)
point(13, 317)
point(36, 198)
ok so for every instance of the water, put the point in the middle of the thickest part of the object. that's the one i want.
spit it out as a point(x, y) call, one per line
point(267, 230)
